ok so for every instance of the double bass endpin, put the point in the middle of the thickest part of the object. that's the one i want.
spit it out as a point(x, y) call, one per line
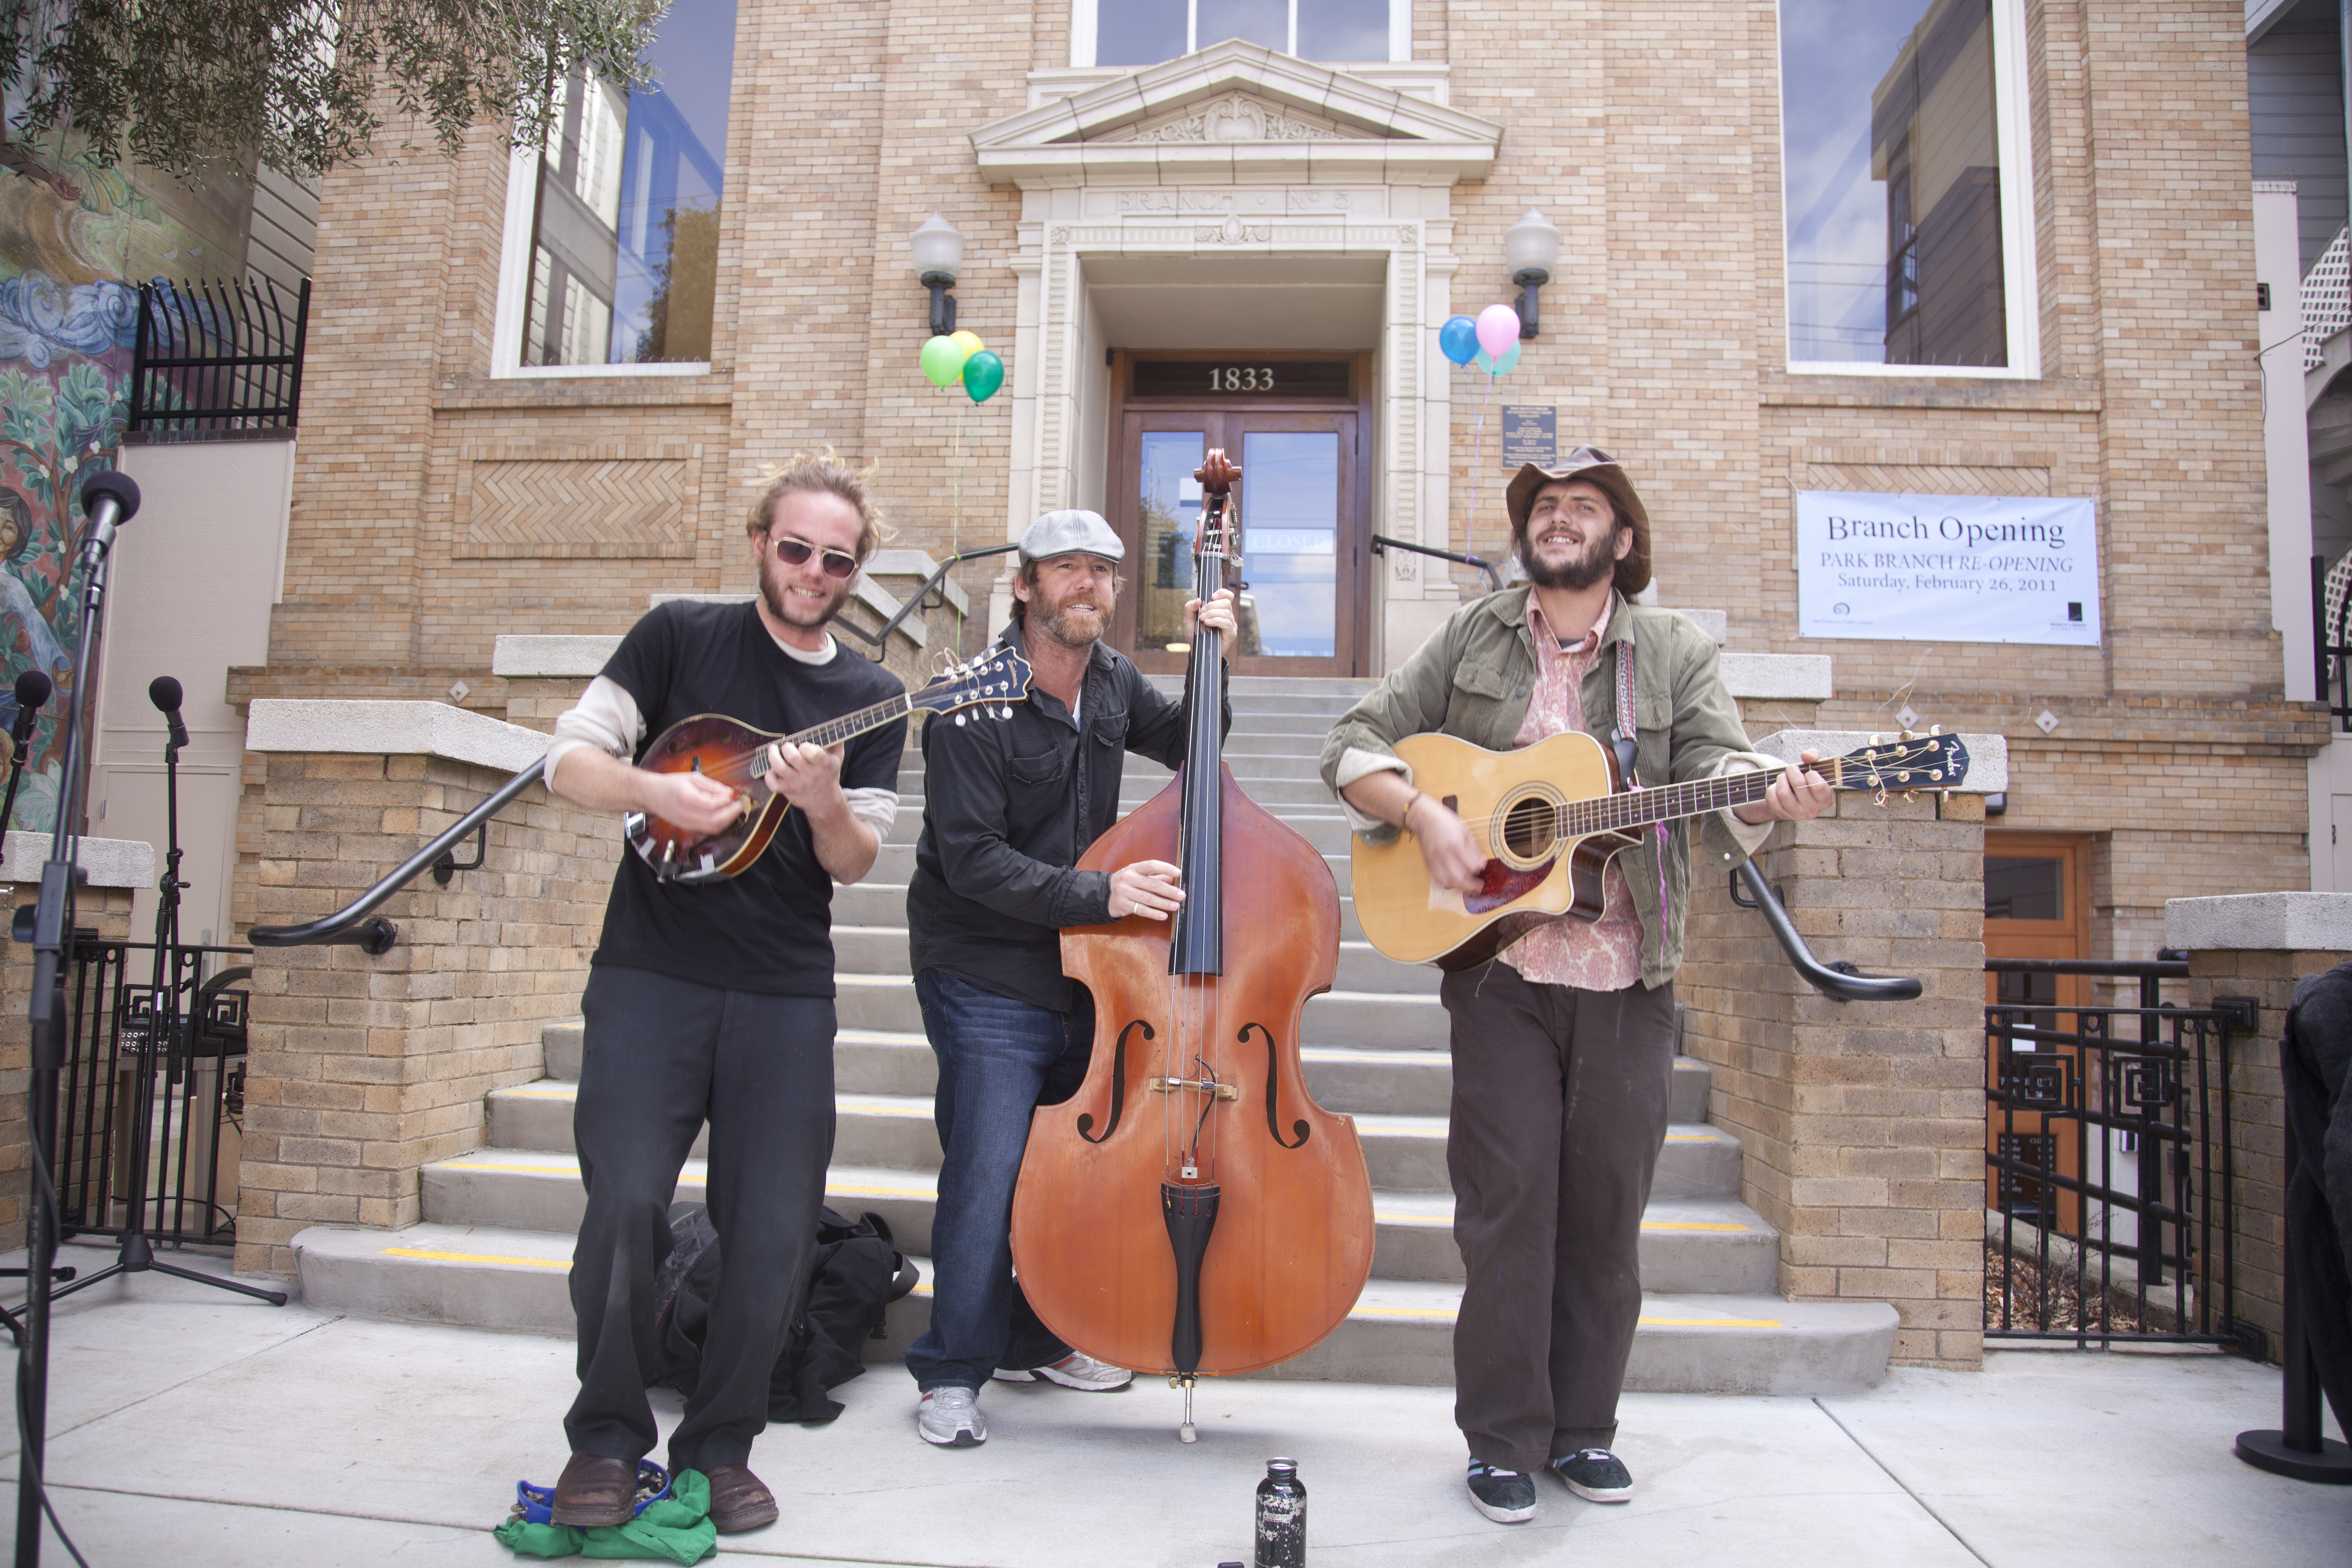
point(1187, 1433)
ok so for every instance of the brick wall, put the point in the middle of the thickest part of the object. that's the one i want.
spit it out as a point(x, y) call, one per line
point(1861, 1124)
point(363, 1070)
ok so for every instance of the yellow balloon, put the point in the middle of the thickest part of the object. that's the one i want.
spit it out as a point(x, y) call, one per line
point(968, 341)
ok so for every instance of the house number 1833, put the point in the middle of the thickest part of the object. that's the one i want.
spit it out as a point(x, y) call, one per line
point(1233, 378)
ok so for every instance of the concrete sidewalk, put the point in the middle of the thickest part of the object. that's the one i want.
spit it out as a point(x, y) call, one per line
point(197, 1428)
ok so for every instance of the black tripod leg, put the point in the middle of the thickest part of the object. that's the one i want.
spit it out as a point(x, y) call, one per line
point(275, 1298)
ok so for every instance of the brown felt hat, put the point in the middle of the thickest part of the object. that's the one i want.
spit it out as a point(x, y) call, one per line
point(1596, 467)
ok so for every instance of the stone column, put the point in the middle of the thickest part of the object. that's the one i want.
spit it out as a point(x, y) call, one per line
point(1861, 1124)
point(363, 1070)
point(2257, 946)
point(113, 869)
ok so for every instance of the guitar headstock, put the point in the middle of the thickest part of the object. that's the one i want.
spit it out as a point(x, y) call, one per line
point(991, 682)
point(1903, 762)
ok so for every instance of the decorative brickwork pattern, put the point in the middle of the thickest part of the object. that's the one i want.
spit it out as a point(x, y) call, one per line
point(363, 1070)
point(585, 507)
point(1861, 1124)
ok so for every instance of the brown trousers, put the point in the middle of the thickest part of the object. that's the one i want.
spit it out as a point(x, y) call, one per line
point(1559, 1110)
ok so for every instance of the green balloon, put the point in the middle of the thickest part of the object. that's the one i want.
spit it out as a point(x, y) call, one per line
point(942, 361)
point(983, 372)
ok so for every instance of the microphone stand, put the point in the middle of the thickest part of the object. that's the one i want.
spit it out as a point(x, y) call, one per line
point(162, 1049)
point(21, 730)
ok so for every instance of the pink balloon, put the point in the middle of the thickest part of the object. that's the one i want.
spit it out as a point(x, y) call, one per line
point(1498, 328)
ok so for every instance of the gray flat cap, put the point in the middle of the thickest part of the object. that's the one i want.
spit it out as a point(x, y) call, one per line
point(1059, 532)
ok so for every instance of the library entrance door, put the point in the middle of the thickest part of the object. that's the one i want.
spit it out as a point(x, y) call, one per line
point(1295, 427)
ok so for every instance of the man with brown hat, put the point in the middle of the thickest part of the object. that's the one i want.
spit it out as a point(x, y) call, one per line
point(1562, 1044)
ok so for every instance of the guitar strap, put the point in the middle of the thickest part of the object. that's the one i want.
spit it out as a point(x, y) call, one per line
point(1623, 736)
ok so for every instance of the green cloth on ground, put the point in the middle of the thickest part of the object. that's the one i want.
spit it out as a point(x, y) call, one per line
point(677, 1529)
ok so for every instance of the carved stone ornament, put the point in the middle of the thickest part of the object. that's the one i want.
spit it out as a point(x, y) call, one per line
point(1236, 117)
point(1234, 231)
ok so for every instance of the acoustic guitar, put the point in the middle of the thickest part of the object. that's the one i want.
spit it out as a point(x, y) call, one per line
point(736, 754)
point(1551, 816)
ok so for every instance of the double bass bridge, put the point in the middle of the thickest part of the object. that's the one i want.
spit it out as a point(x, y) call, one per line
point(1196, 1085)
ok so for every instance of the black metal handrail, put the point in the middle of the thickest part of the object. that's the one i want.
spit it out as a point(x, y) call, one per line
point(881, 639)
point(215, 358)
point(1839, 981)
point(350, 926)
point(1383, 544)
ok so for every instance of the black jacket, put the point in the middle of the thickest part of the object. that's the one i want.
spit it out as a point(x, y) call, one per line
point(1008, 807)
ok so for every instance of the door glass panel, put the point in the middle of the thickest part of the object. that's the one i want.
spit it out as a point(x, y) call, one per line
point(2018, 888)
point(1169, 517)
point(1290, 530)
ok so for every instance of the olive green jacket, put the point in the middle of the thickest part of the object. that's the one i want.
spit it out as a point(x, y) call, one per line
point(1472, 680)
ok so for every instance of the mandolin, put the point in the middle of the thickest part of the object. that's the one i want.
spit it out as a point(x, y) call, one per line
point(1550, 815)
point(736, 754)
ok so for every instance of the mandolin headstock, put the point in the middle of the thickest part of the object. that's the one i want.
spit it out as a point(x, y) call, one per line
point(991, 683)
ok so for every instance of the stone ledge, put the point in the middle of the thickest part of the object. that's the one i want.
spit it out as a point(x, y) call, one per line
point(105, 862)
point(1780, 676)
point(918, 564)
point(1988, 754)
point(527, 654)
point(2273, 923)
point(389, 727)
point(1716, 624)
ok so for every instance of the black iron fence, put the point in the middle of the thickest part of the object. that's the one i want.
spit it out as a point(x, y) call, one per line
point(2108, 1159)
point(157, 1070)
point(215, 359)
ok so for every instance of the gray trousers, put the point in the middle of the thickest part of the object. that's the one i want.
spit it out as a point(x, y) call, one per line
point(1559, 1110)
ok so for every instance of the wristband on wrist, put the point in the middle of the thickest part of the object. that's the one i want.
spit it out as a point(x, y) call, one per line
point(1405, 818)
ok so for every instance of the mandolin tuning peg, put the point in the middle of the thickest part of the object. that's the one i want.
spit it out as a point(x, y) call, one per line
point(960, 720)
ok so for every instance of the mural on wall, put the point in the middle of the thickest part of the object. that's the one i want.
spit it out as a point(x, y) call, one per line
point(75, 237)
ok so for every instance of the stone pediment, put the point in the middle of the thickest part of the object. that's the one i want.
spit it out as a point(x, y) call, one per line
point(1235, 112)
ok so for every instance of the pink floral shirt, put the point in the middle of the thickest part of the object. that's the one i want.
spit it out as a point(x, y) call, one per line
point(1605, 955)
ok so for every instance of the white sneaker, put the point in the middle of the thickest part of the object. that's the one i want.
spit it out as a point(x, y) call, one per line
point(1076, 1370)
point(951, 1417)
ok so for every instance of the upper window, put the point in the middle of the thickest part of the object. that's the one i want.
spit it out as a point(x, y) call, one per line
point(624, 259)
point(1144, 32)
point(1906, 189)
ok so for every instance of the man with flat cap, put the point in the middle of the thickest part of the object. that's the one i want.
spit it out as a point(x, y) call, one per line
point(1563, 1043)
point(1008, 808)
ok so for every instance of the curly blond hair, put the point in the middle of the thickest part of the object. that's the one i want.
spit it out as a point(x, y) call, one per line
point(822, 472)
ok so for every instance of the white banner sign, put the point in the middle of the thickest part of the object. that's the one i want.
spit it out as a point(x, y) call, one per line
point(2022, 569)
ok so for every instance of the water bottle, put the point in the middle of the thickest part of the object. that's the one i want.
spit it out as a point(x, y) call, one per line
point(1281, 1517)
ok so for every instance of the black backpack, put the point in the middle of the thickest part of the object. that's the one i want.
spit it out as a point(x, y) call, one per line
point(854, 1276)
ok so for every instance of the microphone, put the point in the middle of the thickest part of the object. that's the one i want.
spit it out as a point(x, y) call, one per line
point(109, 498)
point(33, 688)
point(165, 693)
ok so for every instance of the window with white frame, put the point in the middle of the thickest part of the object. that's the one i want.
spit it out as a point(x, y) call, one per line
point(1906, 189)
point(623, 257)
point(1144, 32)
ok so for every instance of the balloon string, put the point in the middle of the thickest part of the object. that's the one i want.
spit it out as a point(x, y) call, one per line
point(1478, 464)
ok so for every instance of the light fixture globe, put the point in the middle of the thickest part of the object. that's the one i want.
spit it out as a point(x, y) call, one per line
point(936, 249)
point(1532, 246)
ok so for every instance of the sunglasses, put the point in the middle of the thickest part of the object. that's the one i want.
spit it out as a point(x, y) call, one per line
point(796, 552)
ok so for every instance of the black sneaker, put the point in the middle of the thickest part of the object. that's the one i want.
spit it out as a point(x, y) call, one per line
point(1507, 1497)
point(1596, 1474)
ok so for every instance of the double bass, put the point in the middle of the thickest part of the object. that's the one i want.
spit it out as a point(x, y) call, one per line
point(1191, 1209)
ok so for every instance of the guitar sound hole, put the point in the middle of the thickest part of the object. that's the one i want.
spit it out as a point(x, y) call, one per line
point(1527, 827)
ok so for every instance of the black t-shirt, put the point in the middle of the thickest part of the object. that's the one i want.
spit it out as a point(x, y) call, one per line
point(769, 929)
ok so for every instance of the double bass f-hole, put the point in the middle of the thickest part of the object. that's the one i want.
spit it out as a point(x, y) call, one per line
point(1118, 1087)
point(1272, 1121)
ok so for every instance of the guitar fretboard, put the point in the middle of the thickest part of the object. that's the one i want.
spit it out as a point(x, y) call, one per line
point(833, 732)
point(1617, 813)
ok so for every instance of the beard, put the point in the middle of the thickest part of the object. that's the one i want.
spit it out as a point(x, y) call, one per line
point(795, 612)
point(1056, 622)
point(1596, 562)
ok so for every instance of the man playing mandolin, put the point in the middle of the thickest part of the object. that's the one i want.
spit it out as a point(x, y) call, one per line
point(1007, 811)
point(713, 1000)
point(1563, 1043)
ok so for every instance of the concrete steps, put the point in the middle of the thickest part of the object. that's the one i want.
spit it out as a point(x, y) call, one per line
point(494, 1249)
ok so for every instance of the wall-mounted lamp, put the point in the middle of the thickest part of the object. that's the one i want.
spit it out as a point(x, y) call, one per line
point(937, 250)
point(1533, 245)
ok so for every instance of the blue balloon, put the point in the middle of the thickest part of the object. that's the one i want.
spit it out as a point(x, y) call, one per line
point(1458, 339)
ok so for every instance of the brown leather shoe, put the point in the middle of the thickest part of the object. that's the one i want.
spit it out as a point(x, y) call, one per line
point(740, 1500)
point(595, 1490)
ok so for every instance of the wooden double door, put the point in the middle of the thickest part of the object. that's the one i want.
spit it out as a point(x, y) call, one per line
point(1301, 502)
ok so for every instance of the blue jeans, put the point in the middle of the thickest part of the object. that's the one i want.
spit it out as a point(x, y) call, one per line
point(999, 1060)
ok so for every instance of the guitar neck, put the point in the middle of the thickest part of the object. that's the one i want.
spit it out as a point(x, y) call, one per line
point(1639, 809)
point(833, 732)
